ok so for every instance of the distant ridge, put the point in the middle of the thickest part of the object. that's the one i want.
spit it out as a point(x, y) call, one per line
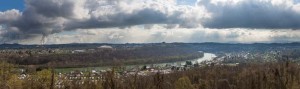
point(93, 45)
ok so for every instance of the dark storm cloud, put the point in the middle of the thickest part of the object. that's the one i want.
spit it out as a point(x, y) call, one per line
point(51, 8)
point(40, 17)
point(145, 16)
point(264, 14)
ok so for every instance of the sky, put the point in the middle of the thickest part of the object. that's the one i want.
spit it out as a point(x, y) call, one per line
point(11, 4)
point(149, 21)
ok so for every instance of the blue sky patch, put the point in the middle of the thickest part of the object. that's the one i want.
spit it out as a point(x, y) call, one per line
point(12, 4)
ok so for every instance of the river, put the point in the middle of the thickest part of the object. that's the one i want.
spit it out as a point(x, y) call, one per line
point(206, 56)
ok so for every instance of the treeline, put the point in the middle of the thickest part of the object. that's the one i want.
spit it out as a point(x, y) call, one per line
point(104, 57)
point(280, 75)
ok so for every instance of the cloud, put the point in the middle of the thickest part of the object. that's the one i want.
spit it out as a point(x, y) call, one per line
point(253, 14)
point(9, 16)
point(45, 17)
point(158, 34)
point(157, 20)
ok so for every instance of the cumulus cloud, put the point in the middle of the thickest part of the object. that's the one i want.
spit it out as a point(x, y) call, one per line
point(9, 16)
point(265, 14)
point(44, 17)
point(157, 20)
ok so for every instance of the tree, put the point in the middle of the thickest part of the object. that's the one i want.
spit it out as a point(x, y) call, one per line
point(6, 70)
point(38, 80)
point(183, 83)
point(43, 79)
point(14, 82)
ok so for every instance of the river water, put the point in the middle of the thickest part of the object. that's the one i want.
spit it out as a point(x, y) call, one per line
point(206, 57)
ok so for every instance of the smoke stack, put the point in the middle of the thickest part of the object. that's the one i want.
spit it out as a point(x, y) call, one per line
point(43, 40)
